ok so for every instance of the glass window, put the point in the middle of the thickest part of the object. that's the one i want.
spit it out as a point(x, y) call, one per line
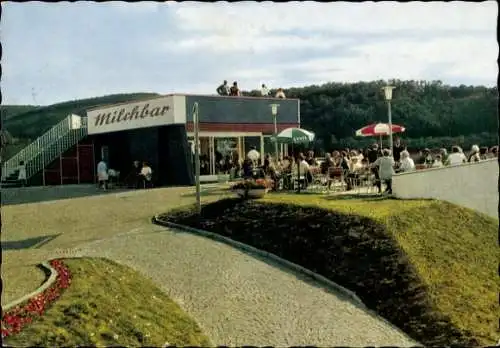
point(249, 142)
point(205, 158)
point(269, 148)
point(226, 154)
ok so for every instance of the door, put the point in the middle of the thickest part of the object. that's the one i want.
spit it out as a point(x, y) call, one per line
point(104, 153)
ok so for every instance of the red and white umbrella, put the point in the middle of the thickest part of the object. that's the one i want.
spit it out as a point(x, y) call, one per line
point(378, 130)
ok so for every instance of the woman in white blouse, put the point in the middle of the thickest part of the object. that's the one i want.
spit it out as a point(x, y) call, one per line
point(406, 163)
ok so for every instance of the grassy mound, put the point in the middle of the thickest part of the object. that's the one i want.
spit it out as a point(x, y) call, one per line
point(107, 305)
point(426, 266)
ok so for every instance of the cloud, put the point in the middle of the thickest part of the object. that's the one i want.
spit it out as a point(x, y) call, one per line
point(381, 17)
point(84, 49)
point(407, 60)
point(222, 44)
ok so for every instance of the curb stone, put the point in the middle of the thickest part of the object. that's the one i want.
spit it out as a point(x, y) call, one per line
point(42, 288)
point(290, 265)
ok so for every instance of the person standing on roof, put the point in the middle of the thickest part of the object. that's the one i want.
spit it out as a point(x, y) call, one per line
point(280, 94)
point(223, 89)
point(234, 91)
point(264, 91)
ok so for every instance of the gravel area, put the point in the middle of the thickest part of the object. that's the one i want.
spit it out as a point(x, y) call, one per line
point(75, 221)
point(239, 299)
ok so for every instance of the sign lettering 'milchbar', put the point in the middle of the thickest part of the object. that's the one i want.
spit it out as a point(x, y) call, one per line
point(119, 116)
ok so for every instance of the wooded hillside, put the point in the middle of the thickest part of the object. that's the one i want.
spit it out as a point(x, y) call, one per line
point(434, 114)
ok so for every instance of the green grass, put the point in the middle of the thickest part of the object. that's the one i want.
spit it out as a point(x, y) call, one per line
point(453, 249)
point(109, 304)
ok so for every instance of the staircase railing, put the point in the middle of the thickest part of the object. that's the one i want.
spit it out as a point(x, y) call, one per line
point(46, 148)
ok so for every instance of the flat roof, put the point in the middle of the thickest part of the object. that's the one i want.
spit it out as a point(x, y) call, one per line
point(186, 95)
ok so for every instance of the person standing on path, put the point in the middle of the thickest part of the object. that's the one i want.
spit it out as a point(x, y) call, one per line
point(372, 155)
point(385, 166)
point(21, 177)
point(102, 174)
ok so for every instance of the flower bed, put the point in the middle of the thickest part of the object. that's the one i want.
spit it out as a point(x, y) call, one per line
point(15, 319)
point(252, 188)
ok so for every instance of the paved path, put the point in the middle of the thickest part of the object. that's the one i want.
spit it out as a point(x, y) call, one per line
point(239, 299)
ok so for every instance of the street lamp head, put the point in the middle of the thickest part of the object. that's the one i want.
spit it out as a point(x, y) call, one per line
point(388, 92)
point(274, 109)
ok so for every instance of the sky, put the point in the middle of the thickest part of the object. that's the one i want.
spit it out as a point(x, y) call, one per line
point(54, 52)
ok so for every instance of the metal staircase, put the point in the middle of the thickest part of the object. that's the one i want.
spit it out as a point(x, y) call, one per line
point(46, 148)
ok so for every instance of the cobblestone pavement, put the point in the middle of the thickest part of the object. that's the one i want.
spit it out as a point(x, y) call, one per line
point(240, 299)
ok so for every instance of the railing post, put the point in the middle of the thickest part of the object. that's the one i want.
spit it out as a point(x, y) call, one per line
point(60, 162)
point(43, 167)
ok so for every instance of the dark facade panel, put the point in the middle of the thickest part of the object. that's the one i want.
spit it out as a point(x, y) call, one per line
point(175, 164)
point(164, 148)
point(143, 145)
point(242, 110)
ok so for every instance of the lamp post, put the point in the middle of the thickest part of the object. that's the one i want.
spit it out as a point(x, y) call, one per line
point(274, 111)
point(196, 123)
point(388, 97)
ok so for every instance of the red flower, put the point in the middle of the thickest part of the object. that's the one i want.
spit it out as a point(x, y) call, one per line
point(16, 318)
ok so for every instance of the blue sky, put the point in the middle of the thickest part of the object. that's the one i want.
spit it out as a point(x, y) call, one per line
point(65, 51)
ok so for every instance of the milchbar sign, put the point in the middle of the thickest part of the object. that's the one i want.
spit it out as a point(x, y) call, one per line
point(148, 113)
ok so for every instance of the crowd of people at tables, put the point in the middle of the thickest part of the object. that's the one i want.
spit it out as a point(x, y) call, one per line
point(234, 91)
point(350, 165)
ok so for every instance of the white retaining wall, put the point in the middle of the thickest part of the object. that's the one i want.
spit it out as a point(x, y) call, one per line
point(472, 185)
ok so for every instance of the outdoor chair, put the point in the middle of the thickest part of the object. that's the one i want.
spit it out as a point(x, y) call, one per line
point(366, 182)
point(285, 181)
point(295, 180)
point(336, 177)
point(319, 182)
point(114, 178)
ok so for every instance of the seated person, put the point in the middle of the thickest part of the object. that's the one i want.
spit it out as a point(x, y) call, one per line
point(274, 174)
point(326, 164)
point(310, 159)
point(493, 152)
point(353, 173)
point(286, 165)
point(267, 163)
point(483, 153)
point(146, 174)
point(438, 163)
point(247, 168)
point(406, 163)
point(456, 157)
